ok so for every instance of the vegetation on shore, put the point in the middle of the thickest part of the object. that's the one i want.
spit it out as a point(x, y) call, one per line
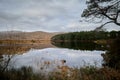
point(89, 36)
point(86, 73)
point(112, 56)
point(109, 71)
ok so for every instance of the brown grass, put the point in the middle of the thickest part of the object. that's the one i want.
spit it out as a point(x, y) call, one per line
point(23, 41)
point(65, 73)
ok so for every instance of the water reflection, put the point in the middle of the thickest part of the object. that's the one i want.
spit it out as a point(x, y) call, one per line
point(22, 48)
point(79, 45)
point(52, 58)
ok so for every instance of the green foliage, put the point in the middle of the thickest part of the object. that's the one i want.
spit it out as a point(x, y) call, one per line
point(89, 36)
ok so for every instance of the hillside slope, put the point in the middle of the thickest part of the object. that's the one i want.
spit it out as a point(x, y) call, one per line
point(18, 35)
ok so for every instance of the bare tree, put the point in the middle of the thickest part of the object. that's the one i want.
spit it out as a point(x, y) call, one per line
point(102, 9)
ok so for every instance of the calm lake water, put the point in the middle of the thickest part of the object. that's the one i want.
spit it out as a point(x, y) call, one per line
point(50, 58)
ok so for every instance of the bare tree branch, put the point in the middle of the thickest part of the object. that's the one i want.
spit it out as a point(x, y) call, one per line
point(111, 11)
point(98, 28)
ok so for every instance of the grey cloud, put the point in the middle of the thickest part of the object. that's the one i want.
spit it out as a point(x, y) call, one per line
point(47, 15)
point(8, 16)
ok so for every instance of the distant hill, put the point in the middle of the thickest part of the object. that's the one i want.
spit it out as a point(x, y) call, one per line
point(18, 35)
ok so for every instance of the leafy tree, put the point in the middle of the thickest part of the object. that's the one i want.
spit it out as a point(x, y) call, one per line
point(101, 9)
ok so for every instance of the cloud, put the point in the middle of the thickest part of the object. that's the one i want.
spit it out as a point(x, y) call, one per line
point(80, 26)
point(47, 15)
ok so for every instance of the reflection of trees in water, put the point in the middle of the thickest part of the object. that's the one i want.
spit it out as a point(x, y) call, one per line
point(112, 57)
point(79, 45)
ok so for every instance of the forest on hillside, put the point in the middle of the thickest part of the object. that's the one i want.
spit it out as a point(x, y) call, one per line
point(86, 36)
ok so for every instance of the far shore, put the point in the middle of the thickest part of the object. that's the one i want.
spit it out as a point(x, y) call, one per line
point(23, 41)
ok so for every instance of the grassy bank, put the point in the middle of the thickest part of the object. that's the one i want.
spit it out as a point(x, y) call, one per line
point(87, 73)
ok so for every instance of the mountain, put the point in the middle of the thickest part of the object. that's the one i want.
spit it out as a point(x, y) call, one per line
point(18, 35)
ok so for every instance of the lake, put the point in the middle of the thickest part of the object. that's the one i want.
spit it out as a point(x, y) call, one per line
point(47, 57)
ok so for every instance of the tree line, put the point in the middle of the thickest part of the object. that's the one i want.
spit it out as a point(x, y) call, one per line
point(87, 36)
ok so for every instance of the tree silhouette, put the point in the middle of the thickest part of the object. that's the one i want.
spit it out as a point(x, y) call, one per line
point(101, 9)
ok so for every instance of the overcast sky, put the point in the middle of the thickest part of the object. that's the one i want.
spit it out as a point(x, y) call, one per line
point(44, 15)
